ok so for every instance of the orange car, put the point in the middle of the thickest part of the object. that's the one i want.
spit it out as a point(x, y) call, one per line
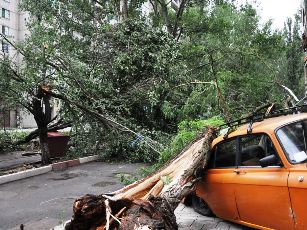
point(257, 176)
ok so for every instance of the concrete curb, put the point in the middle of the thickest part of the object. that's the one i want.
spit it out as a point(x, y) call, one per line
point(59, 166)
point(25, 174)
point(88, 159)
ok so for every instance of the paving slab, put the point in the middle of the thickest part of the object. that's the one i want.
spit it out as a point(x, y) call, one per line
point(187, 218)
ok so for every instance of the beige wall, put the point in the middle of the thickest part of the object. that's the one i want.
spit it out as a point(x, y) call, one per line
point(13, 119)
point(15, 25)
point(17, 20)
point(26, 120)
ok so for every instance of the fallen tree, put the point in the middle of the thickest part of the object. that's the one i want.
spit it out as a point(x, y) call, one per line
point(51, 128)
point(150, 202)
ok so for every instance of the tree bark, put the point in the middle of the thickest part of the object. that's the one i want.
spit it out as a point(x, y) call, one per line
point(124, 9)
point(42, 115)
point(179, 14)
point(165, 15)
point(150, 202)
point(43, 142)
point(218, 89)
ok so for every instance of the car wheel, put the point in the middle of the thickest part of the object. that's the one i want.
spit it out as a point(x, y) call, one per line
point(200, 206)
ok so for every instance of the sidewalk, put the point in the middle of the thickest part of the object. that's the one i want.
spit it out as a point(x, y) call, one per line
point(15, 159)
point(187, 219)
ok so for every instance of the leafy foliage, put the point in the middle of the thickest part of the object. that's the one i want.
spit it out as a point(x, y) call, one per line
point(8, 138)
point(187, 133)
point(226, 45)
point(129, 81)
point(126, 179)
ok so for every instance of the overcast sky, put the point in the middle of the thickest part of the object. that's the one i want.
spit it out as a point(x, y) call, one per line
point(278, 10)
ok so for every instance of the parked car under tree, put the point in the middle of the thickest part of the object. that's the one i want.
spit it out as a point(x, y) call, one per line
point(257, 175)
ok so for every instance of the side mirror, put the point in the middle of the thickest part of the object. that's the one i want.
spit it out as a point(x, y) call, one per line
point(271, 160)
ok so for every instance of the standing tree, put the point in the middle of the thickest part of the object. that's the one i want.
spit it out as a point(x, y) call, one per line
point(117, 69)
point(293, 56)
point(22, 85)
point(118, 74)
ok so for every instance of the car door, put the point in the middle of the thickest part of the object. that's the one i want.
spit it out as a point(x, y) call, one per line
point(293, 138)
point(218, 186)
point(298, 194)
point(262, 194)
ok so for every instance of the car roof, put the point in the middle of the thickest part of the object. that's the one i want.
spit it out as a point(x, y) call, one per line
point(268, 125)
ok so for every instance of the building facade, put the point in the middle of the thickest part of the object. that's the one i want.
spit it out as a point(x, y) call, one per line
point(13, 23)
point(13, 26)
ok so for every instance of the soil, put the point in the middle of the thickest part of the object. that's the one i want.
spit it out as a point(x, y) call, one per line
point(25, 166)
point(17, 169)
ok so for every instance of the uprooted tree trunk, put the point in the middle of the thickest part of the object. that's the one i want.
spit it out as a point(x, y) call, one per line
point(148, 203)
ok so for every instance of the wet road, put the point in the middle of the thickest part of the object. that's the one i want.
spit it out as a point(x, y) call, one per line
point(44, 201)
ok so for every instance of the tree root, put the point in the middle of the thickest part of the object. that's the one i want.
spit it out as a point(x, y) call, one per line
point(148, 203)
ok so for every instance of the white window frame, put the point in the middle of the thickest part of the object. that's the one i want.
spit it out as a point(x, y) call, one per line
point(5, 13)
point(5, 47)
point(5, 30)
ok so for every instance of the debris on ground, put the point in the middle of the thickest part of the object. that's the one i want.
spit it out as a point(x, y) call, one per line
point(150, 202)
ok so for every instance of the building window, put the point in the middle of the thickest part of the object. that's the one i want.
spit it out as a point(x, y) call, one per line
point(7, 0)
point(5, 13)
point(5, 47)
point(6, 30)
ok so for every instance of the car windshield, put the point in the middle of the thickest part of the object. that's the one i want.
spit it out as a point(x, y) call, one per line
point(292, 137)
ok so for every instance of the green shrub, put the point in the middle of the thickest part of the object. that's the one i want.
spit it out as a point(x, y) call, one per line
point(126, 179)
point(187, 132)
point(9, 137)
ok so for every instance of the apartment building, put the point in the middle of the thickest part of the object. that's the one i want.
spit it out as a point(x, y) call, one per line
point(13, 26)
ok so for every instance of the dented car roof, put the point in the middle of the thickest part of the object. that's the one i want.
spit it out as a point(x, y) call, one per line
point(268, 125)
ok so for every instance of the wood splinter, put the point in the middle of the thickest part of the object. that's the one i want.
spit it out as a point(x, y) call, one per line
point(150, 202)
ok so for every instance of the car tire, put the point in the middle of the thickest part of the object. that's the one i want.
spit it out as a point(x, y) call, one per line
point(200, 206)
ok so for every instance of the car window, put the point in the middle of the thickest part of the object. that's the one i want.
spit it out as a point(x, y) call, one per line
point(292, 137)
point(254, 148)
point(225, 154)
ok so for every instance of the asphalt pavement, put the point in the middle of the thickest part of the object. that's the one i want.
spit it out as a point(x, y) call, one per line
point(45, 201)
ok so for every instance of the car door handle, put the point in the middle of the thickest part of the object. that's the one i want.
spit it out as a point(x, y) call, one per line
point(239, 171)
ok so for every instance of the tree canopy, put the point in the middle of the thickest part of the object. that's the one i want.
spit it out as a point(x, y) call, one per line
point(126, 76)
